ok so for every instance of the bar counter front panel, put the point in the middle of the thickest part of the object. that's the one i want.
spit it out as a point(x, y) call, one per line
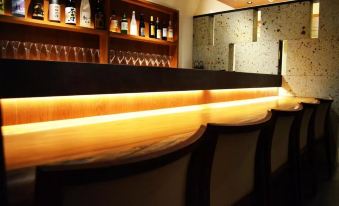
point(53, 111)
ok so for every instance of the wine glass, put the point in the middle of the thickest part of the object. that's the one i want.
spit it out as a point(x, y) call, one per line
point(97, 55)
point(148, 58)
point(64, 53)
point(92, 50)
point(128, 57)
point(111, 56)
point(120, 56)
point(48, 49)
point(76, 53)
point(82, 54)
point(28, 47)
point(57, 49)
point(135, 58)
point(141, 58)
point(152, 60)
point(157, 59)
point(164, 60)
point(169, 59)
point(38, 48)
point(4, 45)
point(15, 46)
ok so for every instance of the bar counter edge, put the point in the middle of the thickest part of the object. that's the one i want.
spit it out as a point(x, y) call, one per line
point(21, 78)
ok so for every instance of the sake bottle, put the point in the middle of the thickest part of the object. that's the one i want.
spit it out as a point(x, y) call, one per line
point(18, 8)
point(85, 13)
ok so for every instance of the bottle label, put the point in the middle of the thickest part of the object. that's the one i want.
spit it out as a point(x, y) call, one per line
point(152, 30)
point(142, 31)
point(85, 19)
point(2, 7)
point(164, 32)
point(124, 26)
point(54, 12)
point(114, 26)
point(70, 15)
point(38, 11)
point(170, 33)
point(18, 8)
point(158, 33)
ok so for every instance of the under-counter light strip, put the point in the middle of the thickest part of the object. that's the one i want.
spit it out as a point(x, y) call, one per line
point(58, 124)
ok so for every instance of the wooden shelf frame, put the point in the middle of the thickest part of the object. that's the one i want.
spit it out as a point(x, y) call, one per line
point(104, 36)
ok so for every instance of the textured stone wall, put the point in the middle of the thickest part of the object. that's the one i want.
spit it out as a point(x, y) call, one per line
point(257, 57)
point(287, 21)
point(212, 48)
point(312, 69)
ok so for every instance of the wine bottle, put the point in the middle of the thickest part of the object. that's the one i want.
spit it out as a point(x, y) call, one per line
point(85, 13)
point(164, 31)
point(18, 8)
point(2, 7)
point(70, 12)
point(133, 26)
point(114, 23)
point(158, 29)
point(54, 10)
point(124, 24)
point(151, 28)
point(142, 26)
point(38, 11)
point(170, 32)
point(99, 22)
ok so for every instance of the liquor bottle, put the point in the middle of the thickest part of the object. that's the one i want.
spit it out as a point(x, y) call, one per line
point(133, 26)
point(151, 28)
point(142, 26)
point(70, 12)
point(124, 24)
point(18, 8)
point(2, 7)
point(99, 22)
point(170, 32)
point(38, 11)
point(164, 31)
point(114, 23)
point(54, 10)
point(158, 29)
point(85, 13)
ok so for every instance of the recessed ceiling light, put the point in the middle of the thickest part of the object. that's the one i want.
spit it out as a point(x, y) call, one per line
point(271, 1)
point(250, 2)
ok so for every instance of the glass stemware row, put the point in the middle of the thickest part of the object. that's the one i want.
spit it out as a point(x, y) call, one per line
point(139, 58)
point(48, 52)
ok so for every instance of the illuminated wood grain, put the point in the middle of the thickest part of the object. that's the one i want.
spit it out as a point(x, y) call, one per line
point(46, 142)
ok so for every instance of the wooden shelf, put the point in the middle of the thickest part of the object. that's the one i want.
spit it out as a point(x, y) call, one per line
point(49, 25)
point(141, 39)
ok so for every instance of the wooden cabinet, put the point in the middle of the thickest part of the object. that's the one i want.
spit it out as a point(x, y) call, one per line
point(26, 29)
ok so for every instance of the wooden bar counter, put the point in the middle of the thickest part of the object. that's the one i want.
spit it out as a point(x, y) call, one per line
point(127, 135)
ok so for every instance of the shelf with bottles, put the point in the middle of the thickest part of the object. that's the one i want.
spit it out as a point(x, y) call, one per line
point(45, 18)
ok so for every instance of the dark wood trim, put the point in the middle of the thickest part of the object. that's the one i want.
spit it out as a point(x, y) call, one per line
point(281, 53)
point(249, 8)
point(21, 78)
point(3, 179)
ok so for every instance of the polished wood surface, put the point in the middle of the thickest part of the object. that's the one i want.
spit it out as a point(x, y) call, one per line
point(123, 136)
point(29, 110)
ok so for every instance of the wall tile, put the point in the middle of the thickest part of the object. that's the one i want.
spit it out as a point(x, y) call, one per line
point(288, 21)
point(257, 57)
point(329, 19)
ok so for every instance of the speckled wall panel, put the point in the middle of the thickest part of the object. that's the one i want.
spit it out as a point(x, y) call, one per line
point(257, 57)
point(229, 28)
point(284, 22)
point(329, 19)
point(312, 69)
point(233, 27)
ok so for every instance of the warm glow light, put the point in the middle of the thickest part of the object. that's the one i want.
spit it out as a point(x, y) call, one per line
point(42, 126)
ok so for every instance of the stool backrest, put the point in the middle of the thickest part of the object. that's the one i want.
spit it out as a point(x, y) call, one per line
point(321, 118)
point(285, 133)
point(307, 125)
point(159, 181)
point(235, 155)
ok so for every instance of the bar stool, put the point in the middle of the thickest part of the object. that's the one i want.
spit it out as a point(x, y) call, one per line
point(233, 157)
point(306, 166)
point(282, 176)
point(324, 153)
point(160, 181)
